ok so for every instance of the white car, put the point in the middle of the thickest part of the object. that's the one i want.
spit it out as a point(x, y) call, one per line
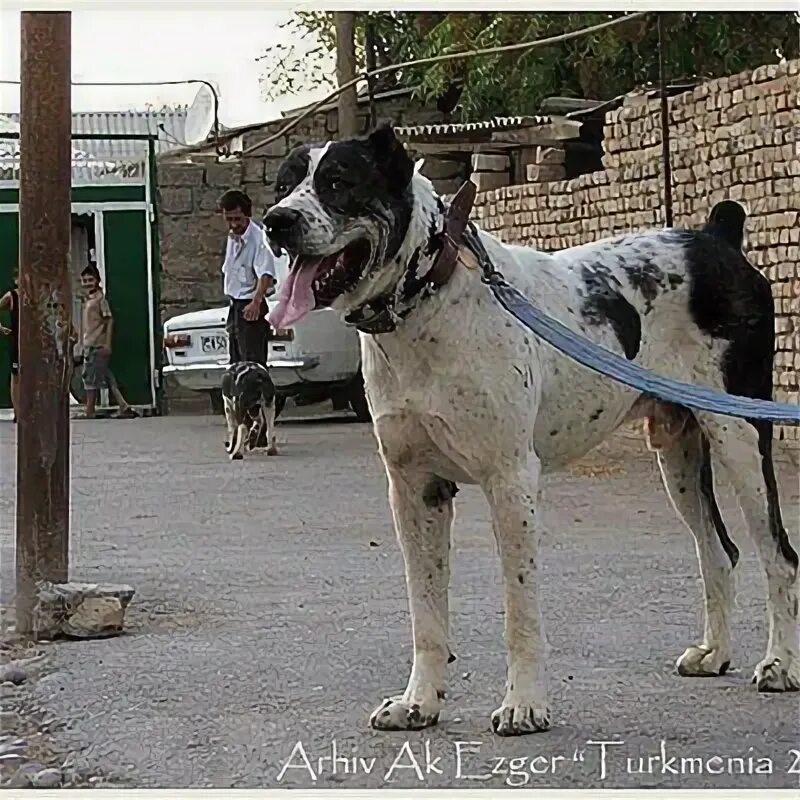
point(318, 360)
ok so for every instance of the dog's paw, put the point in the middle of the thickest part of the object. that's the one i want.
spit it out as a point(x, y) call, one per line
point(518, 720)
point(237, 457)
point(272, 450)
point(776, 674)
point(701, 661)
point(398, 714)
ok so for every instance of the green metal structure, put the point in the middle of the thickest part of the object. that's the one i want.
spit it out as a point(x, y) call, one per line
point(114, 214)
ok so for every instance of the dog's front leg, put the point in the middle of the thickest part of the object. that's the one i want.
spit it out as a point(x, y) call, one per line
point(268, 416)
point(513, 500)
point(230, 423)
point(422, 508)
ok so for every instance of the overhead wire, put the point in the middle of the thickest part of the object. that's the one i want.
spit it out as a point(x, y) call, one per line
point(369, 75)
point(507, 48)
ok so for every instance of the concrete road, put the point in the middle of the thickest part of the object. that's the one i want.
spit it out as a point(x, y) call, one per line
point(270, 610)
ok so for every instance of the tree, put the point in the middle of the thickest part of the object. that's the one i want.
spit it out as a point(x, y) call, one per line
point(344, 23)
point(599, 66)
point(307, 57)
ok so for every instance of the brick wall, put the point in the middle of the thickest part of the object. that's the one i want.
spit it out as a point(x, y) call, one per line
point(736, 138)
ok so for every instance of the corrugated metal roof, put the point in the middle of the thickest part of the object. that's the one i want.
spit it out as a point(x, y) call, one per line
point(168, 125)
point(454, 129)
point(86, 165)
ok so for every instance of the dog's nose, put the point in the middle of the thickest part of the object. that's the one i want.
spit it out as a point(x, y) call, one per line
point(282, 223)
point(282, 226)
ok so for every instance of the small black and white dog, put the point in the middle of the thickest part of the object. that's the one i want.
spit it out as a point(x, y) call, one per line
point(248, 395)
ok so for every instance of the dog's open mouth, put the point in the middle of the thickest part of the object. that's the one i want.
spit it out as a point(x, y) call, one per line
point(316, 281)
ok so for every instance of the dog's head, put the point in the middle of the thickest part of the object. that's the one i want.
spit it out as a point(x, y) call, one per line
point(246, 386)
point(343, 214)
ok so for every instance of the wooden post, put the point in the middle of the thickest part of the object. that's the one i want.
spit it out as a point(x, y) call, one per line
point(43, 435)
point(345, 22)
point(665, 159)
point(371, 65)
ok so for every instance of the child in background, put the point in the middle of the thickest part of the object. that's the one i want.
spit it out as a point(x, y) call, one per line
point(97, 324)
point(10, 302)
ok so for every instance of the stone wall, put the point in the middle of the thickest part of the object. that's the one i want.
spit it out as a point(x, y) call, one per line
point(736, 138)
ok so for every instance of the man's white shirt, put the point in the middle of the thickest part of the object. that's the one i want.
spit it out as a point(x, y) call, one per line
point(247, 258)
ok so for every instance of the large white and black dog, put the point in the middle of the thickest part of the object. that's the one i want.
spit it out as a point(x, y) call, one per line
point(462, 393)
point(248, 396)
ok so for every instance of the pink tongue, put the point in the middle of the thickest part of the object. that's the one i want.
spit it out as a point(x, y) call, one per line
point(296, 298)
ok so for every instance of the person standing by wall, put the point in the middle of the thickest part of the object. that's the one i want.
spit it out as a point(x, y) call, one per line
point(248, 277)
point(10, 302)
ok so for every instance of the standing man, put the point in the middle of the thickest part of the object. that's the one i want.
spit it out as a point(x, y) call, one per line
point(248, 277)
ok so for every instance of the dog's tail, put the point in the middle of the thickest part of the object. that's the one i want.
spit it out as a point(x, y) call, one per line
point(726, 221)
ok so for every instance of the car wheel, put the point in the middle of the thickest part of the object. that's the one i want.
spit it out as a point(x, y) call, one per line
point(217, 406)
point(358, 400)
point(341, 401)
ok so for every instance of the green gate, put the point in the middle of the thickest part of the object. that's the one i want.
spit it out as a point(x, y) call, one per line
point(117, 214)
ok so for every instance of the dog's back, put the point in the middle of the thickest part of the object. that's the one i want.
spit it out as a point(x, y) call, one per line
point(248, 381)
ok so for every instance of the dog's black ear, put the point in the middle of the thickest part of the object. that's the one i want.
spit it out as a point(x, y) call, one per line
point(390, 156)
point(726, 220)
point(263, 379)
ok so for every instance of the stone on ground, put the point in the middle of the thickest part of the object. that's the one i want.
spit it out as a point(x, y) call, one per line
point(80, 610)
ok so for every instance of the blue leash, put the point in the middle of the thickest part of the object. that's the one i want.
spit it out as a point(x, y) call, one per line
point(611, 365)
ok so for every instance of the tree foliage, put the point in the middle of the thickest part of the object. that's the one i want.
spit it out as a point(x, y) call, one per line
point(598, 66)
point(306, 59)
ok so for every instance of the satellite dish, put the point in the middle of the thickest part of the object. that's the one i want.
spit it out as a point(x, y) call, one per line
point(200, 116)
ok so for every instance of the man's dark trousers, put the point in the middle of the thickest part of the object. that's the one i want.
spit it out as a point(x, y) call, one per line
point(247, 341)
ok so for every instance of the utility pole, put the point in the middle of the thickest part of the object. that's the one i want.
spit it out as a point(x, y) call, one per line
point(45, 290)
point(371, 64)
point(665, 158)
point(345, 23)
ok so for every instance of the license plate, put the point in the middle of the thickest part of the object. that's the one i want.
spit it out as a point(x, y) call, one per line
point(214, 344)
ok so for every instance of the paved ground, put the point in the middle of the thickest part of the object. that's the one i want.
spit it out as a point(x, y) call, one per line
point(279, 619)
